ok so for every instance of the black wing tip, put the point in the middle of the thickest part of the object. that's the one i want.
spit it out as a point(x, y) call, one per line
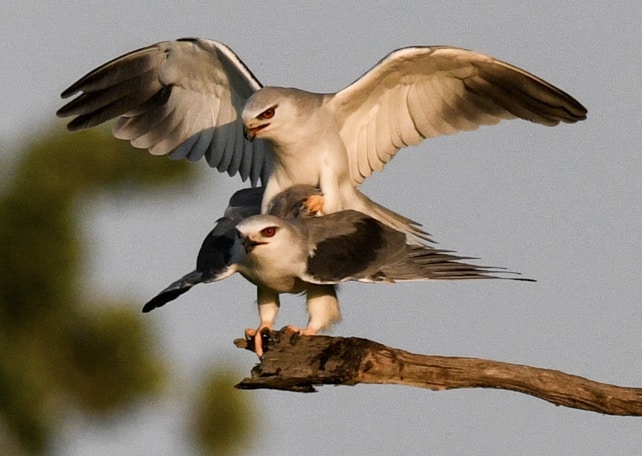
point(167, 295)
point(576, 112)
point(580, 114)
point(151, 305)
point(160, 301)
point(69, 92)
point(67, 109)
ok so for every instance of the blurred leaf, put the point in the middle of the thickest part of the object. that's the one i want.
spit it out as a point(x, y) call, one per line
point(222, 416)
point(57, 355)
point(22, 402)
point(108, 359)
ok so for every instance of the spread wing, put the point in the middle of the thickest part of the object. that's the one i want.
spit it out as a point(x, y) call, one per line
point(179, 98)
point(422, 92)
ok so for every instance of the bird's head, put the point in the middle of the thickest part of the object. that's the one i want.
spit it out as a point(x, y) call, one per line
point(262, 113)
point(271, 108)
point(261, 233)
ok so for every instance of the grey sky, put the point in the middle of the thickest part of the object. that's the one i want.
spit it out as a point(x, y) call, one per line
point(562, 205)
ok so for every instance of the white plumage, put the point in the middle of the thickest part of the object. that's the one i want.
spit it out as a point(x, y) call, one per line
point(194, 97)
point(293, 251)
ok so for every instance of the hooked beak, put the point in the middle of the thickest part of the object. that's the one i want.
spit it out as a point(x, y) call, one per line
point(250, 132)
point(250, 244)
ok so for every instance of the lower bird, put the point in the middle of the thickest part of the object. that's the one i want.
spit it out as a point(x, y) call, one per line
point(293, 249)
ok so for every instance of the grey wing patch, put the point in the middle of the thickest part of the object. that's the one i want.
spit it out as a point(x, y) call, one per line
point(251, 161)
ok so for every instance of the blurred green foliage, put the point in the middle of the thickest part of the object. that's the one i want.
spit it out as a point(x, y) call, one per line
point(222, 421)
point(62, 352)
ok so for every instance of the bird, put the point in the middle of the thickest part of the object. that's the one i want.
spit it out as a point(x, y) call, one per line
point(194, 97)
point(213, 261)
point(293, 249)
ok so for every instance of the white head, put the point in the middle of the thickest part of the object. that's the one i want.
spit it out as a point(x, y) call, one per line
point(266, 235)
point(271, 108)
point(273, 251)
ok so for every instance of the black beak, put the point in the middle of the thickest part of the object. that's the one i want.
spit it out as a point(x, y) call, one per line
point(249, 135)
point(249, 244)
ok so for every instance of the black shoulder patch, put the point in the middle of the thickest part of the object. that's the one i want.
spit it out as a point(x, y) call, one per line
point(344, 256)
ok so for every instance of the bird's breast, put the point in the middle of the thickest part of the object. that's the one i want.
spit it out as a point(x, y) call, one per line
point(279, 274)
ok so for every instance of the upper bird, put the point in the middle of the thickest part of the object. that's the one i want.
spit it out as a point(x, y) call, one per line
point(191, 98)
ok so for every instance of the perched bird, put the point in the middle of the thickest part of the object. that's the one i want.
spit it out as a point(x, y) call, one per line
point(194, 97)
point(295, 251)
point(214, 258)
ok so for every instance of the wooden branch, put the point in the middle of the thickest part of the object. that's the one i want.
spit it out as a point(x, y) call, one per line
point(299, 363)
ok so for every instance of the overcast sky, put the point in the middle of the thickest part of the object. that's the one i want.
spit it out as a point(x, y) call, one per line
point(561, 205)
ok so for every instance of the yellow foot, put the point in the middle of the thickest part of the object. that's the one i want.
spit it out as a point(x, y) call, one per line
point(255, 335)
point(314, 204)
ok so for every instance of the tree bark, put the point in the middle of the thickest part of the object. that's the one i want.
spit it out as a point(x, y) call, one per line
point(299, 363)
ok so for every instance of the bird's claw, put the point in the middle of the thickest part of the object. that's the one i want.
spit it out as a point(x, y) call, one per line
point(261, 335)
point(257, 336)
point(314, 204)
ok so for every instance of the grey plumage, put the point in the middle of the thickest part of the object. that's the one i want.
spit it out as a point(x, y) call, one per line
point(361, 248)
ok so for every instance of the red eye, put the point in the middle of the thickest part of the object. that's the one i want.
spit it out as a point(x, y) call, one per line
point(269, 231)
point(267, 114)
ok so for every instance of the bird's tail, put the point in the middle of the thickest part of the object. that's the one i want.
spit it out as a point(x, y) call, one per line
point(173, 291)
point(413, 231)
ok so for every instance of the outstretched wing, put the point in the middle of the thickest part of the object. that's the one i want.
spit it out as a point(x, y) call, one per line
point(179, 98)
point(422, 92)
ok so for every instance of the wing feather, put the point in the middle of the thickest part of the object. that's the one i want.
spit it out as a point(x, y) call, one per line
point(168, 94)
point(421, 92)
point(188, 148)
point(360, 248)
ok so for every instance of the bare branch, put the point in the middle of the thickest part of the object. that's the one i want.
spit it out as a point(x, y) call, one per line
point(299, 363)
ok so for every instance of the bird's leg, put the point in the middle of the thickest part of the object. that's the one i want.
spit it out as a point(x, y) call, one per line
point(272, 188)
point(268, 304)
point(331, 189)
point(323, 310)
